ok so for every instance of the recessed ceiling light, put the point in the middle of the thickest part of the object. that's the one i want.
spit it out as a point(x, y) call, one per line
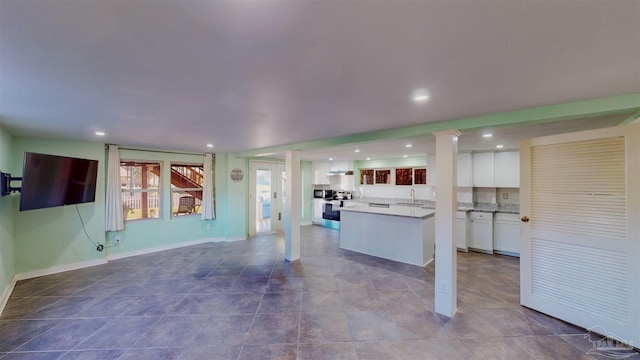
point(330, 159)
point(209, 145)
point(100, 133)
point(408, 145)
point(357, 150)
point(405, 155)
point(487, 135)
point(368, 158)
point(499, 146)
point(420, 96)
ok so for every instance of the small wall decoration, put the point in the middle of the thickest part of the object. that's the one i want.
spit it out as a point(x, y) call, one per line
point(237, 175)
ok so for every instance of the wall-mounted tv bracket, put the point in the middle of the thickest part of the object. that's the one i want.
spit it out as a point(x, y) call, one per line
point(5, 184)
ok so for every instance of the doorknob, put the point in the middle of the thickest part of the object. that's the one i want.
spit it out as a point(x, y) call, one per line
point(524, 219)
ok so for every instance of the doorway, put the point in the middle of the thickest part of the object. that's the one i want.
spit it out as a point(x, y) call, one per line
point(267, 197)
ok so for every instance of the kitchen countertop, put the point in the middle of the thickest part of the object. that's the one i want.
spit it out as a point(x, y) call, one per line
point(430, 205)
point(404, 211)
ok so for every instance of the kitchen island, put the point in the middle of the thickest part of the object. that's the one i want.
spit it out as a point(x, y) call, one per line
point(399, 233)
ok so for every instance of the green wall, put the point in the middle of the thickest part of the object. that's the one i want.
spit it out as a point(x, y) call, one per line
point(166, 230)
point(53, 237)
point(7, 269)
point(306, 206)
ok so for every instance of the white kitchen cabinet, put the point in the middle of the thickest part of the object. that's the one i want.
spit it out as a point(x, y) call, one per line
point(507, 234)
point(462, 230)
point(483, 169)
point(481, 232)
point(465, 170)
point(431, 170)
point(320, 170)
point(507, 169)
point(317, 211)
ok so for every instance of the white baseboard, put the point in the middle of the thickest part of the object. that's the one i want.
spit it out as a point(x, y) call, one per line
point(7, 293)
point(306, 223)
point(59, 269)
point(160, 248)
point(237, 238)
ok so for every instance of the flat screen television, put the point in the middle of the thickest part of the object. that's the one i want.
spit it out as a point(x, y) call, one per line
point(51, 180)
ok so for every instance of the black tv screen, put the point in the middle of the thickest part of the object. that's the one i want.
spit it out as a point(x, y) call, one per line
point(50, 180)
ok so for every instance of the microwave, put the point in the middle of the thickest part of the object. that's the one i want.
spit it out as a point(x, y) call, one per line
point(323, 194)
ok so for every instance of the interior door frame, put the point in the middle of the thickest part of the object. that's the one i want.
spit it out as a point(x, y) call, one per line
point(276, 187)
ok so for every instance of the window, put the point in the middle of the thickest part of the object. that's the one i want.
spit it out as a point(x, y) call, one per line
point(140, 184)
point(187, 181)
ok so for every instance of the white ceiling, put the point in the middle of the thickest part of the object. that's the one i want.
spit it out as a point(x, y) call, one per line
point(247, 75)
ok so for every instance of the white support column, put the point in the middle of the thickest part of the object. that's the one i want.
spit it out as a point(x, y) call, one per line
point(446, 291)
point(291, 223)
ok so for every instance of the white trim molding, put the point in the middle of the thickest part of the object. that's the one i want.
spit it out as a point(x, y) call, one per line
point(59, 269)
point(7, 293)
point(170, 247)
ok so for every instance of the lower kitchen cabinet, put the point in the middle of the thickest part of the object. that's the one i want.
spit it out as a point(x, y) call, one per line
point(462, 231)
point(481, 232)
point(316, 217)
point(507, 234)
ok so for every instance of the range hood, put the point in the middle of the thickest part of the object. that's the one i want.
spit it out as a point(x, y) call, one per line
point(339, 172)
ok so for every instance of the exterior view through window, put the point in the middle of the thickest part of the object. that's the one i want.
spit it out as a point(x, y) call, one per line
point(140, 184)
point(186, 189)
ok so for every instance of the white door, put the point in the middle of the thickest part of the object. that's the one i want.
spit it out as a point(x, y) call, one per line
point(266, 196)
point(580, 213)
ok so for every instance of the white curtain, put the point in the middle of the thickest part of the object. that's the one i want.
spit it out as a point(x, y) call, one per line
point(114, 220)
point(208, 206)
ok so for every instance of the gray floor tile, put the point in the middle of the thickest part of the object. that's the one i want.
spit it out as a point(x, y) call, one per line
point(324, 327)
point(172, 331)
point(382, 350)
point(361, 300)
point(268, 352)
point(323, 301)
point(119, 333)
point(16, 333)
point(242, 299)
point(223, 330)
point(243, 303)
point(500, 348)
point(196, 304)
point(218, 352)
point(65, 335)
point(373, 325)
point(327, 351)
point(550, 347)
point(280, 303)
point(274, 329)
point(441, 349)
point(46, 355)
point(285, 284)
point(110, 306)
point(152, 354)
point(93, 355)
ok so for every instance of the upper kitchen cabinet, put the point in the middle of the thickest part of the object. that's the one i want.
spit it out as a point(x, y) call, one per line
point(507, 169)
point(483, 169)
point(320, 171)
point(465, 170)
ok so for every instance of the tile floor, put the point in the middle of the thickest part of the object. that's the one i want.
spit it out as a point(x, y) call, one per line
point(241, 300)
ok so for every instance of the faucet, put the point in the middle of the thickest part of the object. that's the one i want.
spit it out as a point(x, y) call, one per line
point(413, 195)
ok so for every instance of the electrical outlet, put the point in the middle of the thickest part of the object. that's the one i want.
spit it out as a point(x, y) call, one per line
point(505, 196)
point(117, 239)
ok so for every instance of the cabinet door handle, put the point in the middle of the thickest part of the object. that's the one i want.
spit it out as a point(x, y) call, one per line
point(524, 219)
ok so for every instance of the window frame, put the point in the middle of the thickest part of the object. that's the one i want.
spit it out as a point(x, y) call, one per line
point(172, 190)
point(158, 190)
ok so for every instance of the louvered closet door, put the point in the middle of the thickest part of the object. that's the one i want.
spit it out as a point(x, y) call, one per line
point(580, 248)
